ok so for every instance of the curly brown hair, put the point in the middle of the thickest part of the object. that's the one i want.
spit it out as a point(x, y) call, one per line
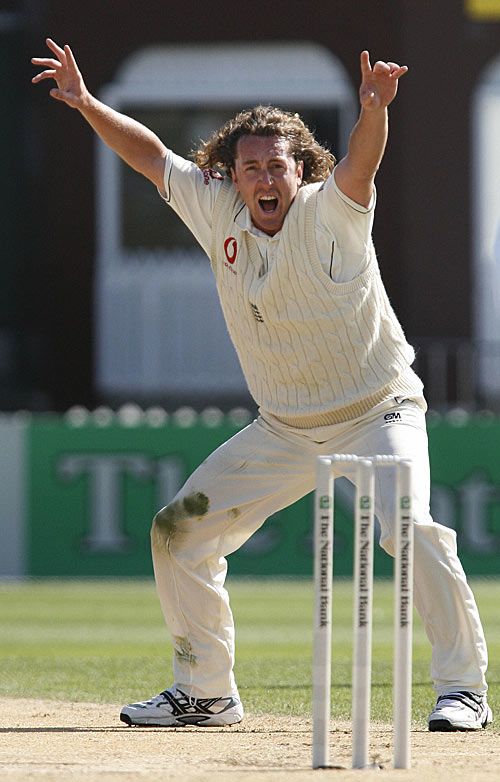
point(219, 151)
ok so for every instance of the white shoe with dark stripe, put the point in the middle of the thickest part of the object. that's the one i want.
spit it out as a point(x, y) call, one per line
point(460, 710)
point(173, 708)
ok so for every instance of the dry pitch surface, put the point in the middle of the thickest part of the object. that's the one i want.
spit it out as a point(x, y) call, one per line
point(47, 740)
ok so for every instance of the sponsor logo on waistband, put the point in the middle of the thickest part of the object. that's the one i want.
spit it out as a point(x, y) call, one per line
point(393, 417)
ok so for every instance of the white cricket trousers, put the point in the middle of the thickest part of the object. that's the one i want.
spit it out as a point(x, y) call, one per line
point(264, 468)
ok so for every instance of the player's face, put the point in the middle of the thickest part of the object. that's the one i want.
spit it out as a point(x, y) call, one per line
point(267, 177)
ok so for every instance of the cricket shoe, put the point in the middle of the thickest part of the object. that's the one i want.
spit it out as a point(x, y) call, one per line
point(460, 710)
point(173, 708)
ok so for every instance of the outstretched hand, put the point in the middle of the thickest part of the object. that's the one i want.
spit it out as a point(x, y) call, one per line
point(71, 88)
point(379, 84)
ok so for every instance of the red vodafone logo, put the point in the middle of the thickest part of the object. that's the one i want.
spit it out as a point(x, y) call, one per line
point(231, 248)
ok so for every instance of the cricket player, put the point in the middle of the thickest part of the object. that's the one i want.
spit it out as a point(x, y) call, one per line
point(288, 234)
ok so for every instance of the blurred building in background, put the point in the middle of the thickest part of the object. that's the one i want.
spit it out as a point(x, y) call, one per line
point(105, 298)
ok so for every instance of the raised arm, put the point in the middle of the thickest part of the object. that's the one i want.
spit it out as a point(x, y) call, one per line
point(135, 144)
point(355, 173)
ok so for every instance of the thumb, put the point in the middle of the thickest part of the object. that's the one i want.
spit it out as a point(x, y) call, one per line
point(369, 99)
point(65, 97)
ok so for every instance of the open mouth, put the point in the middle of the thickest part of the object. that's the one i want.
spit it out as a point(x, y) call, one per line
point(268, 204)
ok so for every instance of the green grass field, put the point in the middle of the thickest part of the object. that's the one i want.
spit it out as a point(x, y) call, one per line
point(104, 641)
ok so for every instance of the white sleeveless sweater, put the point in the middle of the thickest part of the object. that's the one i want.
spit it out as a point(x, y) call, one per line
point(313, 352)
